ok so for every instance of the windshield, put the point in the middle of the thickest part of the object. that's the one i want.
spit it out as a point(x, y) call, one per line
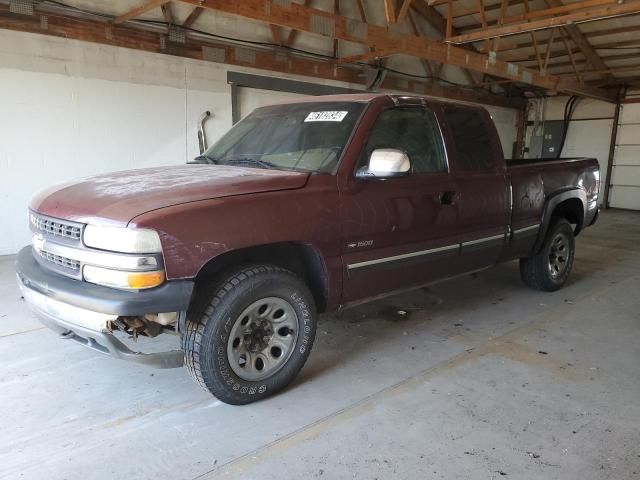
point(306, 137)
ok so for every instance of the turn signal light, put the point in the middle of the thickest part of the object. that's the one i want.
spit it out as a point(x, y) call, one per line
point(122, 279)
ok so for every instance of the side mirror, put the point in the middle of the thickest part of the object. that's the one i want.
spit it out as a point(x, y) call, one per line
point(386, 163)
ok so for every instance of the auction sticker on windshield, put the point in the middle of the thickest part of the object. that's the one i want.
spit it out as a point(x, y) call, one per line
point(325, 116)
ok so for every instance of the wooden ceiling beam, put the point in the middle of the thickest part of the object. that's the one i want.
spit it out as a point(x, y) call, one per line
point(136, 38)
point(476, 11)
point(557, 9)
point(613, 31)
point(612, 58)
point(136, 12)
point(579, 39)
point(437, 21)
point(624, 69)
point(594, 14)
point(372, 55)
point(329, 25)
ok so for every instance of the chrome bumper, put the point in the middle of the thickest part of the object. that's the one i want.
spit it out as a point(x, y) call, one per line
point(91, 329)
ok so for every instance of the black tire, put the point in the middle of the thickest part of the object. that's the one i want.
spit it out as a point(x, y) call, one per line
point(215, 313)
point(544, 270)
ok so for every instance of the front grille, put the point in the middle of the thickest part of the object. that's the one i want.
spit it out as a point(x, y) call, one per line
point(55, 227)
point(64, 262)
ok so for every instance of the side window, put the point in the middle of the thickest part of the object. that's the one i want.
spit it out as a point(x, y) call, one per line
point(413, 130)
point(473, 144)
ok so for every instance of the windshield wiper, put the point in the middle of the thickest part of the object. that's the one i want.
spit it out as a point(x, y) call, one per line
point(204, 159)
point(250, 161)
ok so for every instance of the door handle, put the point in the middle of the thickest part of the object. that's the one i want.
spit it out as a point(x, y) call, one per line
point(448, 198)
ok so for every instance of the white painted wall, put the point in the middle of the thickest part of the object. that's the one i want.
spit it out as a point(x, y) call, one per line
point(69, 109)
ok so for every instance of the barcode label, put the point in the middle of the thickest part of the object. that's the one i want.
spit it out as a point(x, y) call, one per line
point(325, 116)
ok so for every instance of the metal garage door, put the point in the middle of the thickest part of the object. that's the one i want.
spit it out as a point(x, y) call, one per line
point(624, 191)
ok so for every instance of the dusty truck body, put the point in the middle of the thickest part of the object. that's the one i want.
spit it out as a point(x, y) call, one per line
point(300, 208)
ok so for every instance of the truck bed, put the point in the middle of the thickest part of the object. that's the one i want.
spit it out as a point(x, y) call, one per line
point(519, 162)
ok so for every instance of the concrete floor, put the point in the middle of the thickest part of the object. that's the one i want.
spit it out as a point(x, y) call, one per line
point(482, 378)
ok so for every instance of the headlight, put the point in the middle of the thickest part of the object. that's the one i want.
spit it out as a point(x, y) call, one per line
point(119, 239)
point(122, 279)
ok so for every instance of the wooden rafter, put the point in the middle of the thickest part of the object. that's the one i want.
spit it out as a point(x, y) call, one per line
point(503, 13)
point(130, 36)
point(566, 63)
point(552, 22)
point(294, 33)
point(136, 12)
point(437, 21)
point(428, 68)
point(319, 22)
point(613, 31)
point(389, 11)
point(275, 34)
point(449, 30)
point(361, 10)
point(336, 42)
point(549, 45)
point(623, 69)
point(534, 41)
point(572, 58)
point(555, 10)
point(483, 21)
point(465, 12)
point(431, 15)
point(373, 55)
point(404, 9)
point(167, 14)
point(193, 16)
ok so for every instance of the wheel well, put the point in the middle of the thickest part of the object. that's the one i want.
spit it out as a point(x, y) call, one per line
point(303, 260)
point(572, 210)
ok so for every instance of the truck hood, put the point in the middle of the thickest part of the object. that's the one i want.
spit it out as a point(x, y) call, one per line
point(116, 198)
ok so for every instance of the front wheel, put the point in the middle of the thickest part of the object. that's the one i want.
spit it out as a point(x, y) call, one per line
point(549, 269)
point(249, 336)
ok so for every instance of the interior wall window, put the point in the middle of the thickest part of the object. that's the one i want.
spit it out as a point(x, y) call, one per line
point(473, 144)
point(415, 131)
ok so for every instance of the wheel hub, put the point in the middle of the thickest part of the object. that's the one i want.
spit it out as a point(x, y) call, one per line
point(558, 255)
point(258, 336)
point(262, 338)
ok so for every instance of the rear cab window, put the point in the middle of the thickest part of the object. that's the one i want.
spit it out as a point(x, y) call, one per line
point(473, 143)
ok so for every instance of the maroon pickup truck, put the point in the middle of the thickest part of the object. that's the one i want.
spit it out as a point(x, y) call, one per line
point(300, 208)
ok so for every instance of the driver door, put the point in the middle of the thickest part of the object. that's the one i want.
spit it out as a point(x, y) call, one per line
point(400, 231)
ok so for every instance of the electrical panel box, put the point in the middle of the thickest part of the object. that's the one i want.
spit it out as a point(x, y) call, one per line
point(551, 139)
point(545, 143)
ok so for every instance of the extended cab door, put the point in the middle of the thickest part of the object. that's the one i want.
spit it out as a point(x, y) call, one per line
point(399, 231)
point(482, 186)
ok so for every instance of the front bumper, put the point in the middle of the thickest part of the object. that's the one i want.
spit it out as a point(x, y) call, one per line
point(81, 311)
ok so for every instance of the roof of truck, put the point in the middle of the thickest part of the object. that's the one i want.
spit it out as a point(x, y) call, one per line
point(366, 98)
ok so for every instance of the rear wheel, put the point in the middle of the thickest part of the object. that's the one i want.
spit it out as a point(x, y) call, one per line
point(249, 336)
point(549, 269)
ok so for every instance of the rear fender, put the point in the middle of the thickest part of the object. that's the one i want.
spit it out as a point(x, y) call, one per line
point(550, 206)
